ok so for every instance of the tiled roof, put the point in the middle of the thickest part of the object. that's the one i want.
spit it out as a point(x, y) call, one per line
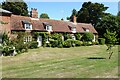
point(57, 25)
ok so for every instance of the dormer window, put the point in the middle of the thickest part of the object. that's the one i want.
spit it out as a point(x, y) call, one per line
point(86, 29)
point(48, 27)
point(27, 25)
point(73, 29)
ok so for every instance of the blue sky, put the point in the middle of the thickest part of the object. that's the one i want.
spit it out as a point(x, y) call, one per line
point(58, 10)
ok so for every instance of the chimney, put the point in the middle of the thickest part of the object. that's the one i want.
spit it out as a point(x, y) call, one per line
point(74, 19)
point(34, 13)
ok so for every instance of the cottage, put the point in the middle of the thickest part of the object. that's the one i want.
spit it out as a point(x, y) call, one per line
point(11, 23)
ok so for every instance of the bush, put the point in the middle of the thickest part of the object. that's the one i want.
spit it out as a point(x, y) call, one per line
point(7, 50)
point(101, 41)
point(33, 44)
point(77, 36)
point(77, 43)
point(54, 43)
point(21, 47)
point(95, 43)
point(67, 36)
point(87, 36)
point(89, 43)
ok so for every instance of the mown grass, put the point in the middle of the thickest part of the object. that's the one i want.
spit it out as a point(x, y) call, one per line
point(76, 62)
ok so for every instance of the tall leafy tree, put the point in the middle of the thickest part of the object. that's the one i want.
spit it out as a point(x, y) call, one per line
point(118, 13)
point(44, 15)
point(91, 12)
point(110, 41)
point(74, 13)
point(108, 22)
point(17, 8)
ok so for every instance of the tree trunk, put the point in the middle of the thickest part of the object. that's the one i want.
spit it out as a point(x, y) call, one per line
point(110, 55)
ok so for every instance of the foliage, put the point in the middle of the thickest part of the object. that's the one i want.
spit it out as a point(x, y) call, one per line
point(7, 50)
point(5, 39)
point(110, 37)
point(91, 12)
point(74, 13)
point(87, 43)
point(17, 8)
point(78, 36)
point(44, 15)
point(56, 40)
point(110, 40)
point(87, 36)
point(109, 22)
point(101, 41)
point(54, 43)
point(78, 43)
point(67, 36)
point(118, 13)
point(67, 44)
point(45, 36)
point(95, 43)
point(33, 44)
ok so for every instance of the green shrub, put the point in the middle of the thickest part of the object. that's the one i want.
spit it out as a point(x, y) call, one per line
point(54, 43)
point(78, 36)
point(67, 36)
point(77, 43)
point(69, 43)
point(33, 44)
point(7, 50)
point(21, 47)
point(101, 41)
point(87, 36)
point(88, 43)
point(95, 43)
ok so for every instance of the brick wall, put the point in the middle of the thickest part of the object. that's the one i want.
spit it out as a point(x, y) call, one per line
point(5, 24)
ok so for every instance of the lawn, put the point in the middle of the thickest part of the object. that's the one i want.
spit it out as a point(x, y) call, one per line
point(75, 62)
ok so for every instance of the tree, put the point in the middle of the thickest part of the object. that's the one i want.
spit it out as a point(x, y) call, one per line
point(110, 41)
point(74, 13)
point(108, 22)
point(118, 13)
point(91, 12)
point(44, 15)
point(87, 36)
point(17, 8)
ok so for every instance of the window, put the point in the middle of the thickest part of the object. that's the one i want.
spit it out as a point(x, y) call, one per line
point(28, 26)
point(48, 28)
point(73, 37)
point(74, 29)
point(27, 39)
point(87, 30)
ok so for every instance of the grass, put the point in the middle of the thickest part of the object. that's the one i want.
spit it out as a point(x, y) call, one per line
point(76, 62)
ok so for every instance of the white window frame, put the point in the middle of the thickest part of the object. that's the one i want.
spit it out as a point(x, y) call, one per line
point(73, 29)
point(48, 27)
point(27, 39)
point(28, 26)
point(73, 37)
point(87, 30)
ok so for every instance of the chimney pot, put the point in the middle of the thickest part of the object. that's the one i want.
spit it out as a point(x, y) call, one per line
point(74, 19)
point(34, 13)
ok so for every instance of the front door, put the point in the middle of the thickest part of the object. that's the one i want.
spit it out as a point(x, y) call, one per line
point(39, 40)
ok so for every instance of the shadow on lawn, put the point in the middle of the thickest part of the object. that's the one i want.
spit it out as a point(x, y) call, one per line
point(96, 58)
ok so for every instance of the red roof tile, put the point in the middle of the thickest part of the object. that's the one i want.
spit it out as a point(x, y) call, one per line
point(57, 25)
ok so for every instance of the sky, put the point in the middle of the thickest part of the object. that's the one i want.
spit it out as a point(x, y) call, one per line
point(59, 10)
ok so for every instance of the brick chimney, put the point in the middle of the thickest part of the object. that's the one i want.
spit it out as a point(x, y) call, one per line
point(34, 13)
point(74, 19)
